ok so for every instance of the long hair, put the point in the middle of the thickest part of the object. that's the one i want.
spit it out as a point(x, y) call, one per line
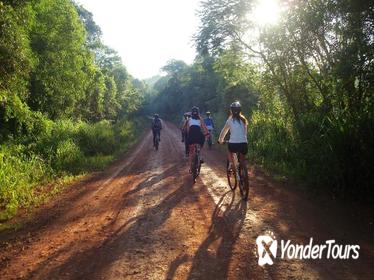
point(198, 117)
point(239, 118)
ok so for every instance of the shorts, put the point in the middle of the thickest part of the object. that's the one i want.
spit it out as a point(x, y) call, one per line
point(241, 148)
point(195, 136)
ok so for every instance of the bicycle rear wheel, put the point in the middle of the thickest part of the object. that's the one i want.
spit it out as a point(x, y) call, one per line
point(156, 143)
point(195, 167)
point(231, 176)
point(244, 182)
point(210, 143)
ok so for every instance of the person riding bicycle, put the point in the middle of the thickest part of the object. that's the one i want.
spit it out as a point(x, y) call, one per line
point(182, 124)
point(156, 127)
point(184, 132)
point(209, 124)
point(196, 131)
point(237, 124)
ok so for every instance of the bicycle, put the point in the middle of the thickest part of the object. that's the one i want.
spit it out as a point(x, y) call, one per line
point(196, 162)
point(185, 140)
point(240, 174)
point(156, 141)
point(210, 139)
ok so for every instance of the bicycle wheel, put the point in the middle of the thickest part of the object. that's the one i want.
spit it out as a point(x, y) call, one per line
point(199, 167)
point(231, 176)
point(210, 142)
point(195, 166)
point(156, 143)
point(244, 182)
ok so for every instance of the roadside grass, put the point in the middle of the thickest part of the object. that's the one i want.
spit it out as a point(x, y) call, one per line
point(34, 169)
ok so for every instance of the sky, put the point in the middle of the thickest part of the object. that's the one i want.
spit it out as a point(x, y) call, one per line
point(147, 33)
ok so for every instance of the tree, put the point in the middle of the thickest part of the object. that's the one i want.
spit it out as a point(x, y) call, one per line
point(16, 63)
point(316, 64)
point(58, 81)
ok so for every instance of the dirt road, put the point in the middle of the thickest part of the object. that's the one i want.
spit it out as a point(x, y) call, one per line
point(143, 218)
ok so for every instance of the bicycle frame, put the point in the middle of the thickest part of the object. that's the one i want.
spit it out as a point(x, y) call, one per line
point(196, 163)
point(210, 138)
point(240, 173)
point(156, 139)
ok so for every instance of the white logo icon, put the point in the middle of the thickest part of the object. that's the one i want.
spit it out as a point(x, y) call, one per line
point(267, 249)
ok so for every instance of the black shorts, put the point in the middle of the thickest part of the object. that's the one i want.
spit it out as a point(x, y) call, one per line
point(241, 148)
point(195, 136)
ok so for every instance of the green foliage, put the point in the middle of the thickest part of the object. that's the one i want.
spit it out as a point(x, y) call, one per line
point(318, 61)
point(219, 20)
point(93, 30)
point(65, 99)
point(52, 61)
point(16, 62)
point(57, 38)
point(19, 174)
point(306, 82)
point(59, 149)
point(210, 83)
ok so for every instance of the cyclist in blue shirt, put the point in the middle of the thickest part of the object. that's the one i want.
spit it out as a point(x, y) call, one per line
point(209, 125)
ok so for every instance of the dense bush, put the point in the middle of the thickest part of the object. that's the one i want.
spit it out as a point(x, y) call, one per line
point(19, 174)
point(61, 148)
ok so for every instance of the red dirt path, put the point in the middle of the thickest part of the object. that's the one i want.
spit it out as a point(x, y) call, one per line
point(142, 218)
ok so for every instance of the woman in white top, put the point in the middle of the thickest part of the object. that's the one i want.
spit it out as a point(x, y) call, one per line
point(237, 124)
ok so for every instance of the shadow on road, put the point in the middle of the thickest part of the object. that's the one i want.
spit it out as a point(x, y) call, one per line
point(213, 257)
point(133, 238)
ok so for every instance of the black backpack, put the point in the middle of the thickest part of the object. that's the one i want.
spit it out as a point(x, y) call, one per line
point(156, 124)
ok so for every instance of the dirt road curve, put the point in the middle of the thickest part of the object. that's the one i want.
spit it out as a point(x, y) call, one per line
point(143, 219)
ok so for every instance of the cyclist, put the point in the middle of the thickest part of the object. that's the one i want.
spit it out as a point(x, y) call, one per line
point(210, 125)
point(237, 124)
point(182, 124)
point(186, 117)
point(156, 127)
point(197, 132)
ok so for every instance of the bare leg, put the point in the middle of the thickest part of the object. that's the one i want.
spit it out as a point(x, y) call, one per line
point(192, 149)
point(231, 159)
point(243, 166)
point(243, 160)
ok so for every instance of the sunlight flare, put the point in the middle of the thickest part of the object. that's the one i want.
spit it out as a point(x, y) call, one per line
point(265, 12)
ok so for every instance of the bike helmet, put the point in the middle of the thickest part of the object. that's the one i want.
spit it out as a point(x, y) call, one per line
point(195, 110)
point(156, 115)
point(208, 113)
point(235, 107)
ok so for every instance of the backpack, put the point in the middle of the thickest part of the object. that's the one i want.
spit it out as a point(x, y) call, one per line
point(156, 124)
